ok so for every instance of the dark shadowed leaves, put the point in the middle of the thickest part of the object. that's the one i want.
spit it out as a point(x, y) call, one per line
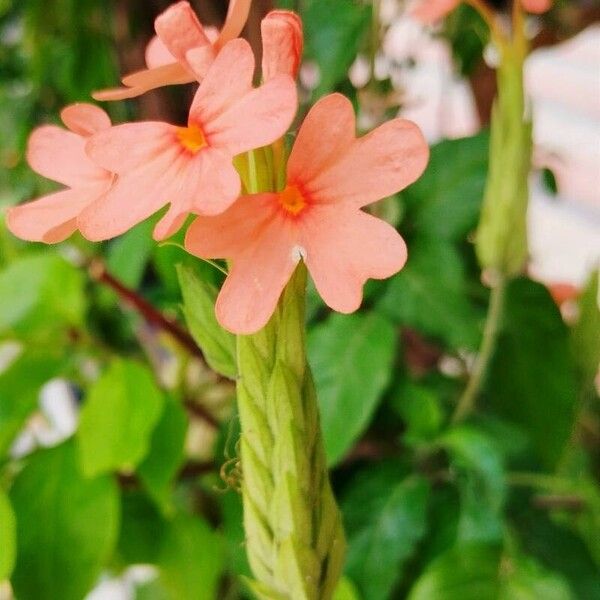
point(531, 380)
point(351, 356)
point(385, 517)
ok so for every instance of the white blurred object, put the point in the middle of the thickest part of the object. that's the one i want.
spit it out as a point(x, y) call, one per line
point(439, 101)
point(55, 421)
point(123, 587)
point(564, 86)
point(564, 240)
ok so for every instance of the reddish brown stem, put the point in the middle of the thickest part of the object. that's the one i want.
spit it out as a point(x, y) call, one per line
point(98, 273)
point(196, 410)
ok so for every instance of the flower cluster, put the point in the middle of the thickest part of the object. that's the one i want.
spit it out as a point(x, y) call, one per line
point(118, 176)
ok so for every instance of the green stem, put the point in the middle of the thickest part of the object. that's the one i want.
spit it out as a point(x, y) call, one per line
point(294, 536)
point(466, 403)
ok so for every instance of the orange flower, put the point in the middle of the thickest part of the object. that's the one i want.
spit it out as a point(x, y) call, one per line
point(190, 167)
point(60, 155)
point(331, 175)
point(179, 31)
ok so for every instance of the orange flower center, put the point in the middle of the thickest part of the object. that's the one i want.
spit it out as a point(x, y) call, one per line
point(292, 200)
point(191, 138)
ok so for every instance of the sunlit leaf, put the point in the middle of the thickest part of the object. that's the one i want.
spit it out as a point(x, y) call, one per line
point(8, 537)
point(191, 560)
point(118, 418)
point(66, 526)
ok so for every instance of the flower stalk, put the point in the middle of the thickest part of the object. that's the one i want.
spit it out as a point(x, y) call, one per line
point(501, 241)
point(294, 535)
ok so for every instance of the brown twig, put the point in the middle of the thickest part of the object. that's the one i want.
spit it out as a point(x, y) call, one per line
point(559, 502)
point(197, 410)
point(98, 272)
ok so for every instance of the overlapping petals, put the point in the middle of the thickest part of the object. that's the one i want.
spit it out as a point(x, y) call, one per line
point(331, 175)
point(283, 42)
point(178, 31)
point(60, 155)
point(190, 168)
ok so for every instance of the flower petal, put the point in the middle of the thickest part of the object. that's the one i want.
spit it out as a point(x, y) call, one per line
point(283, 41)
point(209, 185)
point(345, 247)
point(537, 6)
point(379, 164)
point(430, 11)
point(259, 240)
point(135, 196)
point(157, 54)
point(237, 15)
point(179, 30)
point(258, 119)
point(123, 148)
point(219, 184)
point(85, 119)
point(52, 218)
point(325, 135)
point(141, 82)
point(59, 155)
point(229, 234)
point(228, 80)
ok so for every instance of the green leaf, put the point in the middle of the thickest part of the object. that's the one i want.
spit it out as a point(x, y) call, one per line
point(162, 463)
point(351, 356)
point(41, 291)
point(191, 560)
point(530, 581)
point(463, 573)
point(430, 294)
point(118, 418)
point(66, 526)
point(536, 391)
point(481, 483)
point(20, 385)
point(561, 550)
point(142, 530)
point(8, 537)
point(445, 201)
point(420, 408)
point(334, 42)
point(585, 337)
point(386, 518)
point(128, 255)
point(346, 590)
point(217, 344)
point(483, 572)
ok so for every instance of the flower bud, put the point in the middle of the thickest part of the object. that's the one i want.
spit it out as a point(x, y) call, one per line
point(283, 42)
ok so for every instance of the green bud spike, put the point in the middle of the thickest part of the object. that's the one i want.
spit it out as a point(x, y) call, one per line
point(502, 234)
point(294, 535)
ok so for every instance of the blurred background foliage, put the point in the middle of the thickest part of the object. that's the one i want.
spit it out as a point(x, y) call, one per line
point(118, 435)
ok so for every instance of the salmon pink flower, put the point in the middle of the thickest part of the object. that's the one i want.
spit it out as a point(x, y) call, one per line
point(190, 167)
point(179, 31)
point(283, 42)
point(331, 175)
point(430, 11)
point(60, 155)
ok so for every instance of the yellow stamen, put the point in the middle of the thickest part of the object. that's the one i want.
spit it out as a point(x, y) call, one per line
point(191, 138)
point(292, 200)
